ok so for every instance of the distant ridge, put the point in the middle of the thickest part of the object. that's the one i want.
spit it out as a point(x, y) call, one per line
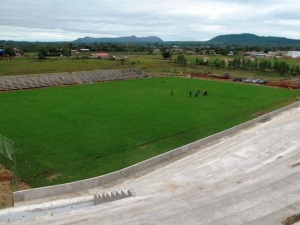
point(226, 40)
point(129, 39)
point(252, 39)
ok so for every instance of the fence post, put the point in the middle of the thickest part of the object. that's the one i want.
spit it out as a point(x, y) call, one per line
point(3, 146)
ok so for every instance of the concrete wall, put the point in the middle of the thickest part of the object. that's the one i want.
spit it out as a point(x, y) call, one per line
point(111, 177)
point(45, 209)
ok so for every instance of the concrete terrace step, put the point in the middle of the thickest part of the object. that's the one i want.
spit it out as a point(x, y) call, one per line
point(279, 216)
point(211, 204)
point(260, 211)
point(211, 176)
point(191, 201)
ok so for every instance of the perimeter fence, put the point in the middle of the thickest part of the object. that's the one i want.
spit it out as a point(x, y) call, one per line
point(8, 150)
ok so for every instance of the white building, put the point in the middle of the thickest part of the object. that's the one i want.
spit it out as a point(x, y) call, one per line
point(293, 54)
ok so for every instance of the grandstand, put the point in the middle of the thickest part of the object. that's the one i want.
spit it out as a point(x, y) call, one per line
point(8, 83)
point(251, 176)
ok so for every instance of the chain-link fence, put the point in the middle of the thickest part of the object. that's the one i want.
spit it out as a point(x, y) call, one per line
point(8, 150)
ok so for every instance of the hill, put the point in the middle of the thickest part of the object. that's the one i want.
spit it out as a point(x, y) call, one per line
point(129, 39)
point(250, 39)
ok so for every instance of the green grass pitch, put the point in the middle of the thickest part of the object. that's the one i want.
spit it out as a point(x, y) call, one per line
point(69, 133)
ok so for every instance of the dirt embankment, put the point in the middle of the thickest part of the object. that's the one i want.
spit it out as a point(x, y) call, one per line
point(6, 177)
point(293, 83)
point(286, 83)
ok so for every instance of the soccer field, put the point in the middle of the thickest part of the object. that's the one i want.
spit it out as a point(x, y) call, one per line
point(69, 133)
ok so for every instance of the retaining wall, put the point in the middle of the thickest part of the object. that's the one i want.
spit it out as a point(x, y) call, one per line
point(111, 177)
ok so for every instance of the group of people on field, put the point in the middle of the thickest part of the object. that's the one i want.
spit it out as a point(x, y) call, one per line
point(198, 93)
point(190, 93)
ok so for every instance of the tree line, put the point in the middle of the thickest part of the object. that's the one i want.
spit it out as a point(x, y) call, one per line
point(199, 47)
point(64, 48)
point(279, 66)
point(243, 63)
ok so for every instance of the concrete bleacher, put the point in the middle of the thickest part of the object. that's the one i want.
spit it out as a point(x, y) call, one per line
point(248, 177)
point(108, 75)
point(20, 82)
point(8, 83)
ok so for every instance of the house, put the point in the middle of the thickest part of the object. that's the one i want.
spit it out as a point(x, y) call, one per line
point(84, 51)
point(101, 55)
point(74, 52)
point(230, 53)
point(18, 52)
point(259, 55)
point(293, 54)
point(190, 52)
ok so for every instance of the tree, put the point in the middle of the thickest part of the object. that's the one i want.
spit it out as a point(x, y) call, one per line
point(248, 64)
point(235, 63)
point(264, 65)
point(295, 70)
point(181, 60)
point(42, 53)
point(283, 68)
point(254, 64)
point(199, 61)
point(10, 51)
point(244, 66)
point(276, 65)
point(54, 51)
point(219, 63)
point(166, 54)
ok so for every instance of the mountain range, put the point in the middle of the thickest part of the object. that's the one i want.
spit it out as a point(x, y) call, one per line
point(130, 39)
point(229, 39)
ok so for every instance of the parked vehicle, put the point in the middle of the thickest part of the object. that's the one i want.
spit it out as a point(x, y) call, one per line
point(255, 81)
point(237, 79)
point(249, 80)
point(262, 81)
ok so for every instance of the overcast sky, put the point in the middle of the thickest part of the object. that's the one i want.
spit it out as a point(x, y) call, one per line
point(171, 20)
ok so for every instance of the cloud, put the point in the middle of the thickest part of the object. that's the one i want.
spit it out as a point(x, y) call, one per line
point(189, 20)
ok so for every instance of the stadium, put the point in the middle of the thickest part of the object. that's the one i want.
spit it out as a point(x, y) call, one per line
point(194, 162)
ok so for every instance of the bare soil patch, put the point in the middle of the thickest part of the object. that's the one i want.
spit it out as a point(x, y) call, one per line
point(53, 177)
point(6, 197)
point(260, 113)
point(292, 219)
point(292, 83)
point(286, 83)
